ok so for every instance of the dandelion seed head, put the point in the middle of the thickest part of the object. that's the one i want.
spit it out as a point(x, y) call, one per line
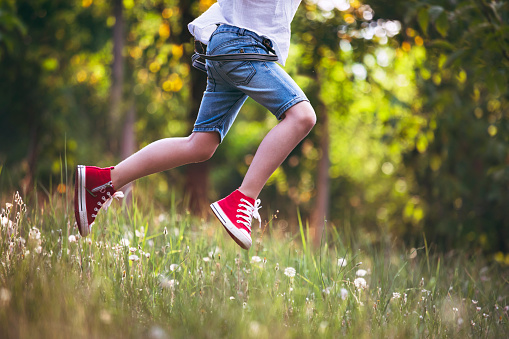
point(290, 272)
point(360, 283)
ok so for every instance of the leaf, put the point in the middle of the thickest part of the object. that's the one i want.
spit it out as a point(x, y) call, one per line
point(443, 44)
point(453, 57)
point(435, 12)
point(442, 24)
point(423, 18)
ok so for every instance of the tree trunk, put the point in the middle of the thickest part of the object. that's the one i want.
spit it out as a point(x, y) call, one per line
point(117, 77)
point(321, 208)
point(197, 175)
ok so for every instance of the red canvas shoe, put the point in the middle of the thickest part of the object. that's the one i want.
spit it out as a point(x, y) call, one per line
point(235, 212)
point(93, 189)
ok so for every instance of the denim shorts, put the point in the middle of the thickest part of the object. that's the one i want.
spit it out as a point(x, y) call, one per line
point(229, 83)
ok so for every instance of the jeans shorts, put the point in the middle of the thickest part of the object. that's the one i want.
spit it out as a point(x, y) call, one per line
point(229, 83)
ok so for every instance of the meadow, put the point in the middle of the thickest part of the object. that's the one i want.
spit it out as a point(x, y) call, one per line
point(147, 272)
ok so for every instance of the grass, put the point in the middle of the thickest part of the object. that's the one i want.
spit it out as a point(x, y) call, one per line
point(146, 273)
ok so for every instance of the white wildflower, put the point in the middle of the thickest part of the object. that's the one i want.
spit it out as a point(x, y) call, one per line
point(342, 262)
point(360, 283)
point(255, 259)
point(396, 295)
point(125, 242)
point(290, 272)
point(343, 293)
point(170, 284)
point(134, 257)
point(147, 255)
point(38, 249)
point(232, 298)
point(173, 267)
point(132, 249)
point(474, 302)
point(72, 238)
point(361, 273)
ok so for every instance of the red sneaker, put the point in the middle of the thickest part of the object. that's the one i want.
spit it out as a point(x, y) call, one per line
point(93, 189)
point(235, 212)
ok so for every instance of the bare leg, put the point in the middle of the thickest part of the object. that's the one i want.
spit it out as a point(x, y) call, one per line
point(164, 154)
point(276, 146)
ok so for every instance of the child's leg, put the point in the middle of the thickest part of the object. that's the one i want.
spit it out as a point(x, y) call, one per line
point(276, 146)
point(164, 154)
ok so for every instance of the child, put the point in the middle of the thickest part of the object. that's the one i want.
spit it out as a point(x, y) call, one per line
point(227, 27)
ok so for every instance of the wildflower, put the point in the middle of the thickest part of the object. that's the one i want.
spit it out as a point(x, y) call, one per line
point(472, 323)
point(147, 255)
point(396, 295)
point(360, 283)
point(255, 259)
point(478, 309)
point(342, 262)
point(343, 293)
point(173, 267)
point(277, 267)
point(290, 272)
point(206, 259)
point(140, 233)
point(134, 257)
point(485, 315)
point(361, 273)
point(38, 249)
point(460, 321)
point(34, 234)
point(165, 231)
point(232, 298)
point(72, 238)
point(170, 284)
point(455, 309)
point(132, 249)
point(125, 242)
point(324, 291)
point(474, 302)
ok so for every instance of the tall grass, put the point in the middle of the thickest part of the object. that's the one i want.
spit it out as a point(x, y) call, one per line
point(150, 273)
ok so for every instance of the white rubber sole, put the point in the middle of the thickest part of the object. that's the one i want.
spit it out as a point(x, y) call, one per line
point(82, 200)
point(239, 235)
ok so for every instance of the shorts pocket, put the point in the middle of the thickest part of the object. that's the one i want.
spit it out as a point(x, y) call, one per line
point(238, 72)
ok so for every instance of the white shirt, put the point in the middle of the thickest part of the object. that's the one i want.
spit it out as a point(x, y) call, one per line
point(267, 18)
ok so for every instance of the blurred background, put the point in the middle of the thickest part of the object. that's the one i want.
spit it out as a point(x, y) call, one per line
point(411, 98)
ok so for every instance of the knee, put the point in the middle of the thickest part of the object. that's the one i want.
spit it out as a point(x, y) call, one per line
point(201, 150)
point(305, 117)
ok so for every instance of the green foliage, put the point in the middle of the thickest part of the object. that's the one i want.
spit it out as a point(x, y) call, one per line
point(461, 170)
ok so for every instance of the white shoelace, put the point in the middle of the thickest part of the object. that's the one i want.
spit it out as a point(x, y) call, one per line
point(107, 201)
point(249, 211)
